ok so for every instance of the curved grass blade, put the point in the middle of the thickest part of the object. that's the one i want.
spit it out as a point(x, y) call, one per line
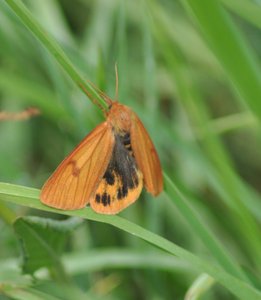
point(30, 197)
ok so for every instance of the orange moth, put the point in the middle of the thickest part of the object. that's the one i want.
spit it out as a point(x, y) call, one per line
point(108, 168)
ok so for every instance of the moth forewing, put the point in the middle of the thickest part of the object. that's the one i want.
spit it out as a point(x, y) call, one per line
point(77, 177)
point(146, 156)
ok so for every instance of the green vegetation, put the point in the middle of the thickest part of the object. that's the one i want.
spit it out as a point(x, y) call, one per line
point(191, 71)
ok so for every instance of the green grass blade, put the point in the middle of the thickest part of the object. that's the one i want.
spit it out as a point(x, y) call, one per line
point(231, 49)
point(6, 214)
point(200, 229)
point(25, 16)
point(30, 197)
point(248, 10)
point(222, 166)
point(99, 260)
point(223, 170)
point(150, 86)
point(233, 122)
point(202, 284)
point(27, 294)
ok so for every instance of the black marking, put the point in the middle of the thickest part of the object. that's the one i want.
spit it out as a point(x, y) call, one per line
point(104, 199)
point(109, 177)
point(124, 191)
point(135, 180)
point(128, 147)
point(98, 198)
point(126, 139)
point(119, 194)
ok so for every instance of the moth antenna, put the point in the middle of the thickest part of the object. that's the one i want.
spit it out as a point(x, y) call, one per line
point(116, 82)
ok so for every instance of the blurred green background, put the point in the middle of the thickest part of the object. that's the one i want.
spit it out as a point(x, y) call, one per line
point(191, 71)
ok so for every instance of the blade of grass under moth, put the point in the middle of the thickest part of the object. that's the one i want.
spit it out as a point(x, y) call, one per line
point(28, 20)
point(30, 197)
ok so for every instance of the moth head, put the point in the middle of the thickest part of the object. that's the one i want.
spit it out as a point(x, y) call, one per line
point(120, 117)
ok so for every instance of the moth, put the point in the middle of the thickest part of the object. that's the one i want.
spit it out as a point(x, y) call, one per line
point(109, 167)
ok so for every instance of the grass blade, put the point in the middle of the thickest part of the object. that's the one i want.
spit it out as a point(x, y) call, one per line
point(25, 16)
point(248, 10)
point(30, 197)
point(231, 49)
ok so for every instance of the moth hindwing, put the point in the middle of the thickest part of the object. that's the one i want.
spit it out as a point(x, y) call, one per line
point(122, 181)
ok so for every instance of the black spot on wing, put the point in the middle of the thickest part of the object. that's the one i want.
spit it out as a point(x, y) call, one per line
point(119, 194)
point(98, 198)
point(109, 177)
point(122, 192)
point(106, 199)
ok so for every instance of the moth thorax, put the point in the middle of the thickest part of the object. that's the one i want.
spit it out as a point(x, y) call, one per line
point(120, 118)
